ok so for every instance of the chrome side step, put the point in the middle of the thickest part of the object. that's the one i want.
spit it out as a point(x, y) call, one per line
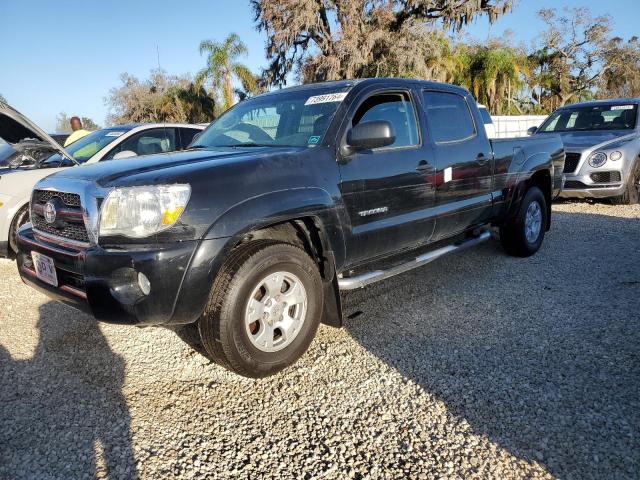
point(359, 281)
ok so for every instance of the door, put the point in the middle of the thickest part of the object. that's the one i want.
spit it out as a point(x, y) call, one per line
point(464, 163)
point(388, 191)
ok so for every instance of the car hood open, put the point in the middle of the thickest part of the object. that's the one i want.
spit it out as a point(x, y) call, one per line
point(20, 138)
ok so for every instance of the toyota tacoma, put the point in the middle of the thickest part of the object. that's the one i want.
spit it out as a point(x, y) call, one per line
point(248, 237)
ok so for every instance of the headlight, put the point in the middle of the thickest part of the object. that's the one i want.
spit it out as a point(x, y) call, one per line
point(617, 155)
point(597, 159)
point(142, 211)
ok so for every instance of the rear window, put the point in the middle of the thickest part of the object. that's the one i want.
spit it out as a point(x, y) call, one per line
point(449, 117)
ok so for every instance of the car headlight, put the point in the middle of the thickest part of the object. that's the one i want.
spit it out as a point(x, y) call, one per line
point(617, 155)
point(597, 159)
point(142, 211)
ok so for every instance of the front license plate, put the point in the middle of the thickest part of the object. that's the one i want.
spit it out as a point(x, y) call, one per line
point(45, 268)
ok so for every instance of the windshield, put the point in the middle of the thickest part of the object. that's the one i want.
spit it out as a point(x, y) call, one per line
point(85, 148)
point(599, 117)
point(291, 118)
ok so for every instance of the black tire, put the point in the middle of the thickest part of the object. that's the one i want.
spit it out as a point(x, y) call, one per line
point(222, 325)
point(512, 233)
point(631, 195)
point(19, 219)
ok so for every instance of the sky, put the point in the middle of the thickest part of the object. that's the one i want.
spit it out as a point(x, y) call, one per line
point(65, 56)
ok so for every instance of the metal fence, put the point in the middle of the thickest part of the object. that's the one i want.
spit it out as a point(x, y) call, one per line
point(515, 126)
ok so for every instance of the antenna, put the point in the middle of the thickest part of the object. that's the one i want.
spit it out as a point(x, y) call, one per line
point(158, 55)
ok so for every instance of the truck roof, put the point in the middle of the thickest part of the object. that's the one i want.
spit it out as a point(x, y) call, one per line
point(370, 81)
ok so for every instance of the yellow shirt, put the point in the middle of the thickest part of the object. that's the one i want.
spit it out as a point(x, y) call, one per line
point(77, 135)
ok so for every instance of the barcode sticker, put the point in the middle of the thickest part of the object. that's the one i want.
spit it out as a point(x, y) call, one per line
point(327, 98)
point(622, 107)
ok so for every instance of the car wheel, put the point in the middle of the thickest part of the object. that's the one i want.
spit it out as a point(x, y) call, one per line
point(264, 308)
point(20, 219)
point(631, 195)
point(523, 235)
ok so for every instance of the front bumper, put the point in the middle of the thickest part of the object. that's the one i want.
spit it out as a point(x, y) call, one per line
point(583, 186)
point(104, 282)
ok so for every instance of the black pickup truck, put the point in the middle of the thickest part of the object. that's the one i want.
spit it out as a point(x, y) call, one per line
point(287, 199)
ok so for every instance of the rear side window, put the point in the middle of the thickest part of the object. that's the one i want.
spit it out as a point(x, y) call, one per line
point(395, 108)
point(449, 117)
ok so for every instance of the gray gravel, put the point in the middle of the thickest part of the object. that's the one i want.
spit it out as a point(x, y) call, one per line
point(479, 365)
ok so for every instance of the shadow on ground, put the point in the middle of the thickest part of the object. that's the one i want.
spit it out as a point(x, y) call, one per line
point(70, 421)
point(539, 354)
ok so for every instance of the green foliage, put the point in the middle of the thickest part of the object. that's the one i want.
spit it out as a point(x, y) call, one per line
point(223, 67)
point(160, 98)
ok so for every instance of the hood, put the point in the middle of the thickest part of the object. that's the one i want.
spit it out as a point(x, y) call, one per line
point(152, 166)
point(22, 140)
point(578, 141)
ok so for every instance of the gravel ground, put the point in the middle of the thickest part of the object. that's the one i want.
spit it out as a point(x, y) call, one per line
point(477, 366)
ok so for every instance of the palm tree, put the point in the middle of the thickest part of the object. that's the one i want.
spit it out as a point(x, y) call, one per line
point(223, 65)
point(493, 74)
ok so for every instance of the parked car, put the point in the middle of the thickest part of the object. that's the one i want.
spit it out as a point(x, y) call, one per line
point(285, 200)
point(602, 139)
point(31, 154)
point(488, 121)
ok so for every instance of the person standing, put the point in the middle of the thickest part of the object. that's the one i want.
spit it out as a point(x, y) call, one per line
point(78, 131)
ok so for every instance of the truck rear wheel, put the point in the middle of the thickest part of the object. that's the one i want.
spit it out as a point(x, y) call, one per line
point(522, 236)
point(264, 308)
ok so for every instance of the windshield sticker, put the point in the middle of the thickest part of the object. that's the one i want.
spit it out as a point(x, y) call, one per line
point(313, 140)
point(328, 98)
point(622, 107)
point(113, 134)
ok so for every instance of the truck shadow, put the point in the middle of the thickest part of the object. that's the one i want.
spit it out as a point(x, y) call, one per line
point(63, 414)
point(538, 354)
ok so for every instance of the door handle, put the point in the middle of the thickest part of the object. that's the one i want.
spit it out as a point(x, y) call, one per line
point(482, 159)
point(423, 166)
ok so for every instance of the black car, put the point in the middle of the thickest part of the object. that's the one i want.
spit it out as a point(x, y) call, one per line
point(288, 198)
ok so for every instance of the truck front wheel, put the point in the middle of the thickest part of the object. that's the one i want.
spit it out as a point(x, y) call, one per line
point(264, 308)
point(522, 235)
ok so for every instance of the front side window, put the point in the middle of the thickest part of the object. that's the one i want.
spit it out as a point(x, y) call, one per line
point(449, 117)
point(297, 118)
point(395, 108)
point(598, 117)
point(157, 140)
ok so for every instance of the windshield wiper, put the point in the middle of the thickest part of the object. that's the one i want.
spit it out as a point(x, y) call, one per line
point(248, 144)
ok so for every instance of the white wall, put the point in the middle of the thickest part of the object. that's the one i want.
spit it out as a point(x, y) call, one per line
point(515, 125)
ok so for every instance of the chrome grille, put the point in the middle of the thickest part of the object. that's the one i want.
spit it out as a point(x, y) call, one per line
point(69, 199)
point(69, 223)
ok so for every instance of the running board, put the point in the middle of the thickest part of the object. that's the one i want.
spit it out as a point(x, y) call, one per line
point(359, 281)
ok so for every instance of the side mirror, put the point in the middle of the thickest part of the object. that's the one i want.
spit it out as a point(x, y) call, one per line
point(125, 154)
point(532, 130)
point(368, 135)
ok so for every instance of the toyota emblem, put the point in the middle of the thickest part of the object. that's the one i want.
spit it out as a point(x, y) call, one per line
point(50, 212)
